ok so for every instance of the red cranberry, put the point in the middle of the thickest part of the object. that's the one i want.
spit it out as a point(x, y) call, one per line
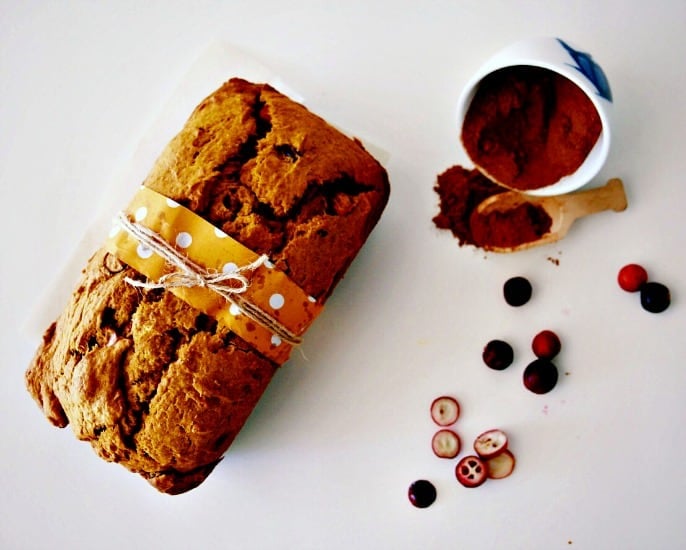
point(546, 344)
point(422, 493)
point(632, 277)
point(655, 297)
point(517, 291)
point(498, 354)
point(540, 376)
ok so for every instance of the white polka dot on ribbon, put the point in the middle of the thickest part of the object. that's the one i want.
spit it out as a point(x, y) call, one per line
point(276, 341)
point(219, 233)
point(143, 251)
point(184, 239)
point(234, 310)
point(229, 267)
point(276, 301)
point(140, 213)
point(172, 203)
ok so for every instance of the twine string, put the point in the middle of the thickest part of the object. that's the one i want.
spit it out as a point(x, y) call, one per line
point(230, 285)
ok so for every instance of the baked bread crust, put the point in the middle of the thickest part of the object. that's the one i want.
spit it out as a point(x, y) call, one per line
point(152, 383)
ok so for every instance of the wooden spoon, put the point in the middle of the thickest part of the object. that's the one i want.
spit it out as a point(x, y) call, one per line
point(563, 209)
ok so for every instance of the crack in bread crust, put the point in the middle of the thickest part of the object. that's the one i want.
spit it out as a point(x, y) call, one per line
point(152, 383)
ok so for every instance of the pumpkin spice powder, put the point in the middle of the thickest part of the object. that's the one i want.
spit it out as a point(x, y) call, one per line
point(525, 128)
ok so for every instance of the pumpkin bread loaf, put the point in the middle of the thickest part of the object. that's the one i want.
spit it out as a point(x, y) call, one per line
point(156, 385)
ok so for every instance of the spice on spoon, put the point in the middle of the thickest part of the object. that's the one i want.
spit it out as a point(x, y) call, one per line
point(503, 229)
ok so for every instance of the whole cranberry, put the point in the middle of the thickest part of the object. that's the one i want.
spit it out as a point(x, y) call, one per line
point(517, 291)
point(655, 297)
point(632, 277)
point(422, 493)
point(546, 344)
point(540, 376)
point(498, 354)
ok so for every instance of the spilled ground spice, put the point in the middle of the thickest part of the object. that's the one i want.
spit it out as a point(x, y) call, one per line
point(460, 192)
point(527, 127)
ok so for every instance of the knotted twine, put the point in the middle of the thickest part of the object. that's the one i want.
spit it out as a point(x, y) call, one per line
point(231, 285)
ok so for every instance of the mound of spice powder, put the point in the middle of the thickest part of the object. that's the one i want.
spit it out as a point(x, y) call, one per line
point(528, 127)
point(460, 192)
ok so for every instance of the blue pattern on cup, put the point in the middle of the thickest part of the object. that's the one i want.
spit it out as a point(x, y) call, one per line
point(590, 69)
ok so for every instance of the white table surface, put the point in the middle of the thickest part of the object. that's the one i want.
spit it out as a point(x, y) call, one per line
point(326, 458)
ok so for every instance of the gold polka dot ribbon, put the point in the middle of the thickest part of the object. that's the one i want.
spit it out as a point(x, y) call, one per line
point(178, 250)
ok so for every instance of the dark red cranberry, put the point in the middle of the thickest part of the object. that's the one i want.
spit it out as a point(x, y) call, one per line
point(498, 354)
point(422, 493)
point(517, 291)
point(540, 376)
point(655, 297)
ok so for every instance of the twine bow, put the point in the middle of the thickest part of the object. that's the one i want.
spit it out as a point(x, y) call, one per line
point(231, 284)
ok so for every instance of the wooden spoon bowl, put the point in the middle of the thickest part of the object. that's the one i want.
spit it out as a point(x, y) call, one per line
point(563, 210)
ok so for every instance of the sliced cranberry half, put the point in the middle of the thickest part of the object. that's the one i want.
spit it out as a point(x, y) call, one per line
point(445, 443)
point(500, 466)
point(471, 471)
point(490, 443)
point(445, 410)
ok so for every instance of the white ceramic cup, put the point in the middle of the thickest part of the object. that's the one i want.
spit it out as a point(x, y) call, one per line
point(564, 58)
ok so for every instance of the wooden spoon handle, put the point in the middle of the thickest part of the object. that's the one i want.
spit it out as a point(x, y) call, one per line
point(611, 196)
